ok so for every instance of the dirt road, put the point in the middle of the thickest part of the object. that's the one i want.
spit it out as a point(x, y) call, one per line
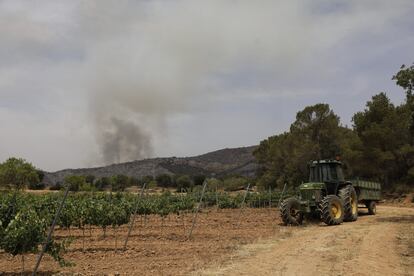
point(374, 245)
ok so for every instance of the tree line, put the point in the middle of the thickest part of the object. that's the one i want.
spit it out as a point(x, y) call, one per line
point(20, 174)
point(379, 145)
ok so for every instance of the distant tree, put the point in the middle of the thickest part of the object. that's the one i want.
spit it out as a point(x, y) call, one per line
point(405, 78)
point(56, 187)
point(164, 180)
point(37, 186)
point(75, 182)
point(315, 134)
point(40, 174)
point(120, 182)
point(147, 179)
point(199, 179)
point(234, 183)
point(133, 181)
point(384, 133)
point(102, 183)
point(184, 182)
point(106, 182)
point(151, 185)
point(318, 127)
point(90, 179)
point(18, 173)
point(215, 183)
point(87, 187)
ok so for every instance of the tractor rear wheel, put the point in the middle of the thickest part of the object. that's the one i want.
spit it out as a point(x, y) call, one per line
point(332, 210)
point(290, 212)
point(350, 200)
point(372, 207)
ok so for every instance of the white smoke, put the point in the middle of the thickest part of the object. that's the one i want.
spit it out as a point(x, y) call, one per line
point(149, 60)
point(143, 62)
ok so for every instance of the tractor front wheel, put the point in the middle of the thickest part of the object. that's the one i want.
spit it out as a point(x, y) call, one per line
point(332, 210)
point(290, 212)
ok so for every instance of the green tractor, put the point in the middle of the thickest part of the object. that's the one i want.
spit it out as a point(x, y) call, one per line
point(329, 196)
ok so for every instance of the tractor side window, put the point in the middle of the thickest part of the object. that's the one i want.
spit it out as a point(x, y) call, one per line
point(326, 173)
point(340, 174)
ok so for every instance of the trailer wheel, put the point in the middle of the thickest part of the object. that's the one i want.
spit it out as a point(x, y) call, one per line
point(332, 210)
point(372, 207)
point(350, 200)
point(290, 212)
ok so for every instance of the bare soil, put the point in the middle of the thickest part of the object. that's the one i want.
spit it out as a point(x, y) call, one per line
point(373, 245)
point(156, 247)
point(260, 245)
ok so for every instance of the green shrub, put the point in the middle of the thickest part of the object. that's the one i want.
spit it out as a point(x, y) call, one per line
point(37, 186)
point(184, 183)
point(75, 182)
point(152, 184)
point(164, 180)
point(235, 183)
point(120, 182)
point(199, 180)
point(56, 187)
point(87, 187)
point(17, 173)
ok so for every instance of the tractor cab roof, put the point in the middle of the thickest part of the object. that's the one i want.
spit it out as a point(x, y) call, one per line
point(325, 161)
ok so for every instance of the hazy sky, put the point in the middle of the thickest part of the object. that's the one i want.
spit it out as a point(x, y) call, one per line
point(86, 83)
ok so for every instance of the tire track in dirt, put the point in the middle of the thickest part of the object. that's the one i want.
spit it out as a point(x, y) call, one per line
point(368, 246)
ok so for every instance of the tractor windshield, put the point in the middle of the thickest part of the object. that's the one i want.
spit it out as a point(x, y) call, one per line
point(315, 174)
point(324, 173)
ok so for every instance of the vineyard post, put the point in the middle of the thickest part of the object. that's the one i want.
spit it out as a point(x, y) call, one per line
point(242, 204)
point(183, 211)
point(270, 197)
point(197, 209)
point(133, 217)
point(217, 199)
point(281, 196)
point(52, 228)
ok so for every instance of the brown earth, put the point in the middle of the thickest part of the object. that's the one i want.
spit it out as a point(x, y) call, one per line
point(374, 245)
point(154, 249)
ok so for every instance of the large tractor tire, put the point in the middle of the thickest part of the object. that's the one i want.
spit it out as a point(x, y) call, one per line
point(332, 210)
point(350, 200)
point(290, 212)
point(372, 207)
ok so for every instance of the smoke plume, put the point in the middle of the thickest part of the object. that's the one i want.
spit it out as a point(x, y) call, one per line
point(147, 61)
point(125, 141)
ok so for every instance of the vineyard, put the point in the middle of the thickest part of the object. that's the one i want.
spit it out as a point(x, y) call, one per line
point(98, 222)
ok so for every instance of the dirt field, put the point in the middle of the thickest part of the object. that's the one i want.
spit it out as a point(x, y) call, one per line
point(374, 245)
point(153, 249)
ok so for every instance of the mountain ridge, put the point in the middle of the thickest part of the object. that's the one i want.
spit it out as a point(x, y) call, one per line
point(227, 161)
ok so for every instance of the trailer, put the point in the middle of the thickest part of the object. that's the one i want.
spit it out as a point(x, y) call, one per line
point(368, 193)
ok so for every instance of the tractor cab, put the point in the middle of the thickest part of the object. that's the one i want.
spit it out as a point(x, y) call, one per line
point(325, 177)
point(326, 171)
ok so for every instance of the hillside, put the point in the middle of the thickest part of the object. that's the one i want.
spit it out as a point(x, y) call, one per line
point(223, 162)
